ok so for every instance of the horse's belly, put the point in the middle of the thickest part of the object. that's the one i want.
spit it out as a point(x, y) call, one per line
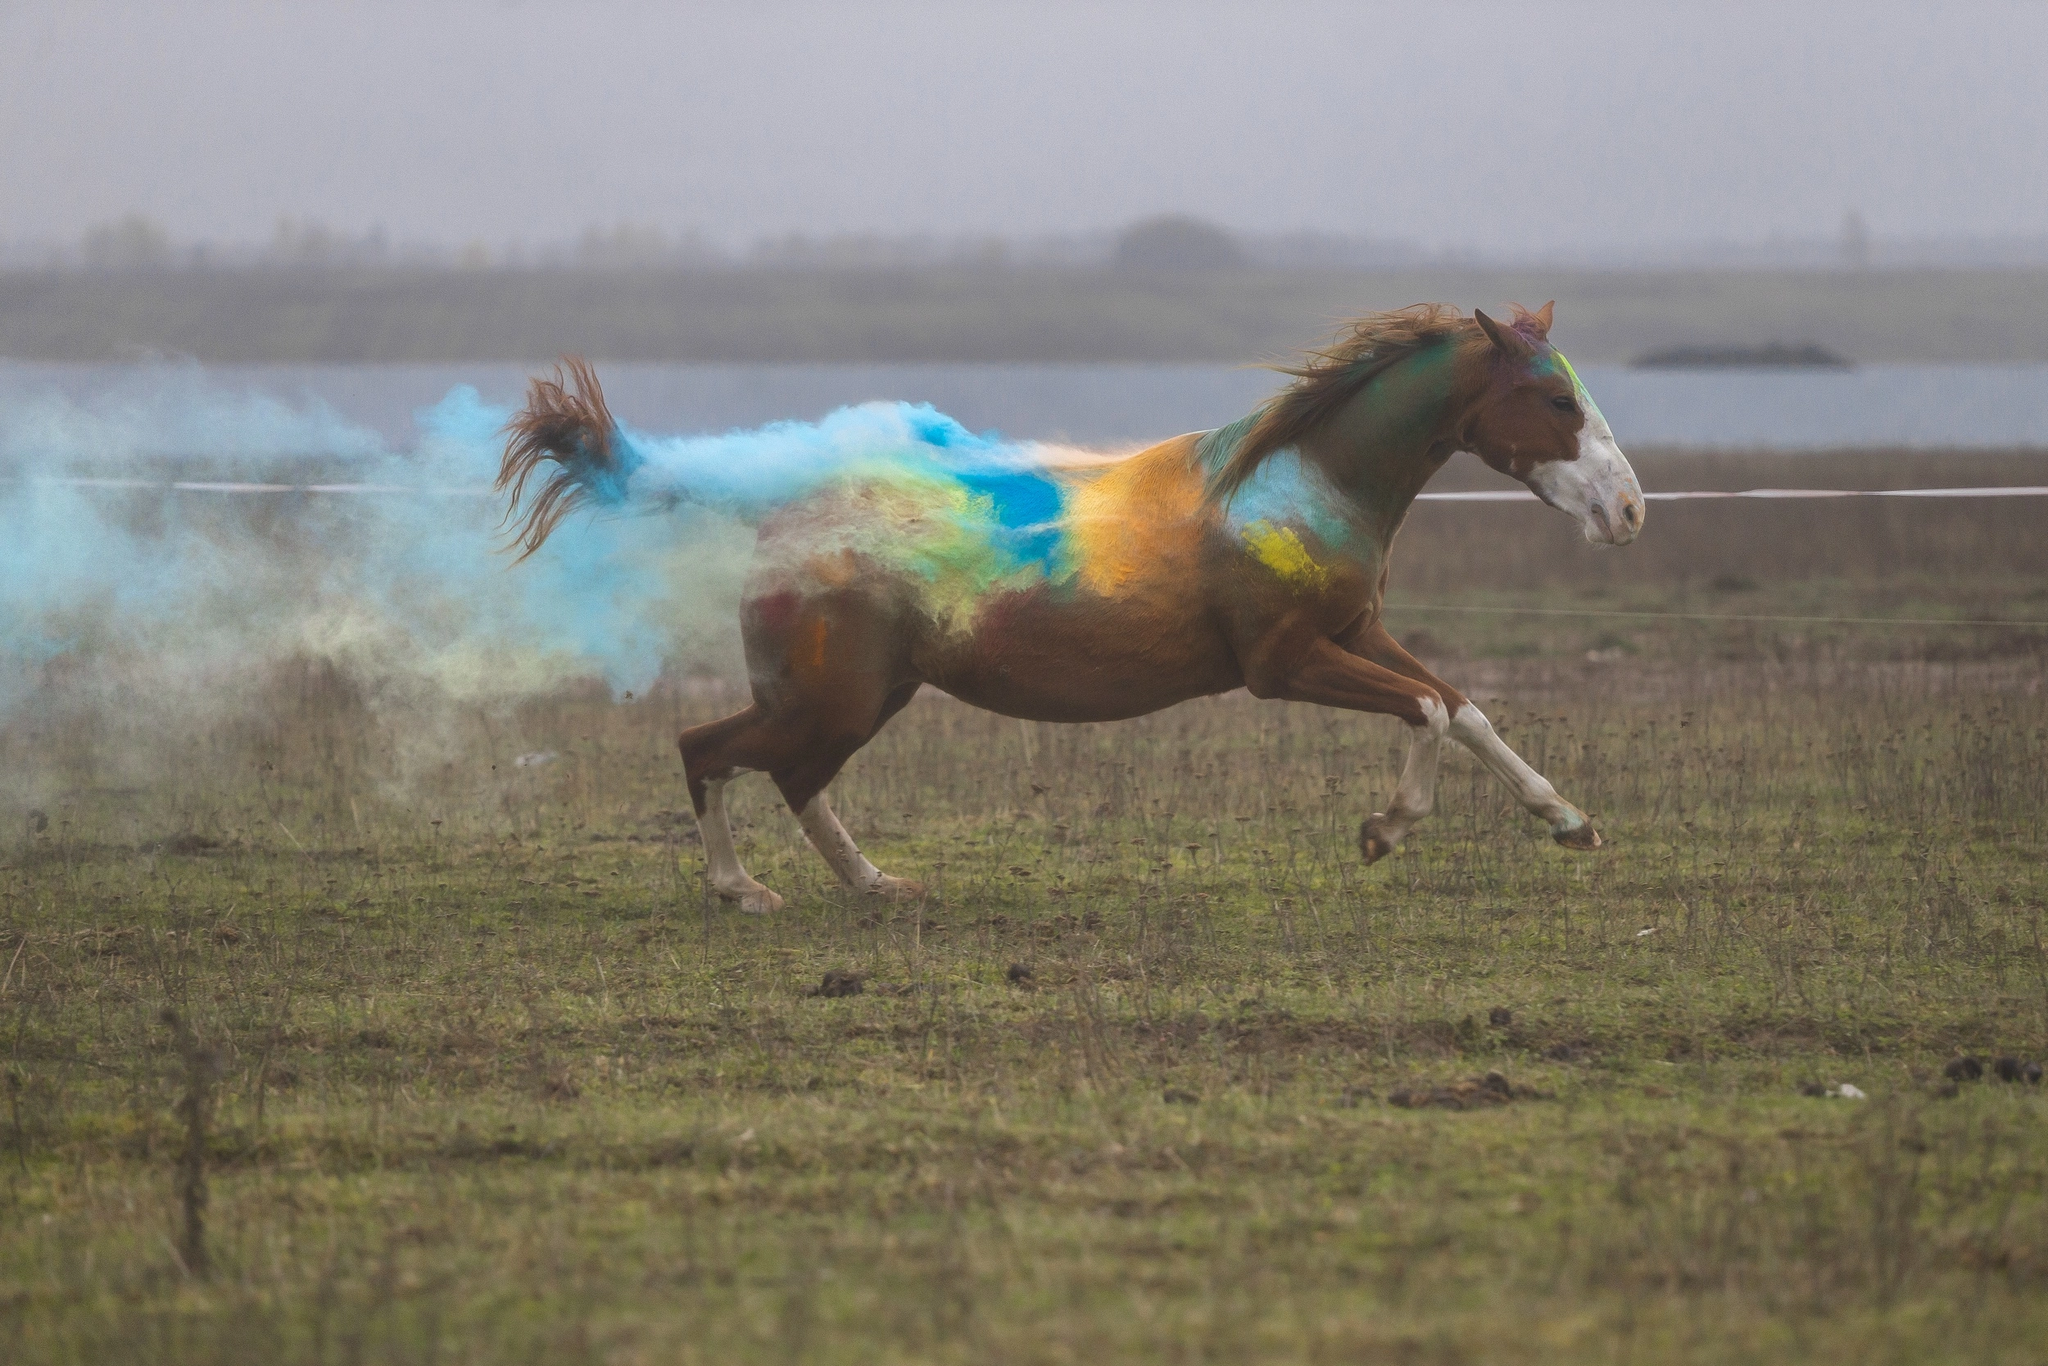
point(1080, 661)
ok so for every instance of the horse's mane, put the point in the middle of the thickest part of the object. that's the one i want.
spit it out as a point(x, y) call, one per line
point(1325, 380)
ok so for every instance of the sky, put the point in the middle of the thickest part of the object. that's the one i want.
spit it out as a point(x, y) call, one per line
point(1491, 127)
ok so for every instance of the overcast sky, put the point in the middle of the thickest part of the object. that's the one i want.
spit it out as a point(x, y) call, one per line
point(1511, 127)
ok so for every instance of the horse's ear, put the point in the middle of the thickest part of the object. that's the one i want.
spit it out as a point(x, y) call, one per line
point(1542, 316)
point(1505, 339)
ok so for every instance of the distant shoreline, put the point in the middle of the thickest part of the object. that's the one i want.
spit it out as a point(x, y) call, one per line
point(1771, 356)
point(1003, 315)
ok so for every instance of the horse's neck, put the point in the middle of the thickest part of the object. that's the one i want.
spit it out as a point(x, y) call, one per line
point(1382, 446)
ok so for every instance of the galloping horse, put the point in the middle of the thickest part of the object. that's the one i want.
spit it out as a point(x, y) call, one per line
point(1073, 589)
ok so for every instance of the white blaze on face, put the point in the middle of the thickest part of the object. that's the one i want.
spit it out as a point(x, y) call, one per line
point(1598, 488)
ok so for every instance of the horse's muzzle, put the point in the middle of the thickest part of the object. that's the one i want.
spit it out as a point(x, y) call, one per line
point(1620, 525)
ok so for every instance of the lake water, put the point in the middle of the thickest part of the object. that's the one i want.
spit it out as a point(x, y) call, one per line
point(1888, 405)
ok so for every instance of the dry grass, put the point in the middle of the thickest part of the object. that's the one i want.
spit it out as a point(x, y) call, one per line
point(492, 1081)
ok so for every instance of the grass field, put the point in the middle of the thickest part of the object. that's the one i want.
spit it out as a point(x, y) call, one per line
point(1157, 1070)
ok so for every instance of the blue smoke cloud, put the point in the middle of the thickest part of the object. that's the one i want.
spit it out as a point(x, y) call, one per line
point(105, 565)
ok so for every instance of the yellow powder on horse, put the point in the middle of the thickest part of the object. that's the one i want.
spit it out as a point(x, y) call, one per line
point(1280, 550)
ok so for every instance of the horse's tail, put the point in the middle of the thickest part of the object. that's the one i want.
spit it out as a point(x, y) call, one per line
point(568, 423)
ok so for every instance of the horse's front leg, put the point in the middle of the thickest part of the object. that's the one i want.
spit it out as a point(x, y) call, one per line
point(1569, 826)
point(1331, 676)
point(1414, 794)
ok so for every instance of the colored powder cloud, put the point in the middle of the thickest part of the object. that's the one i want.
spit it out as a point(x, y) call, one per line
point(406, 585)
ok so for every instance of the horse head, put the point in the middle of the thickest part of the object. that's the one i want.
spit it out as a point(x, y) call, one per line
point(1535, 422)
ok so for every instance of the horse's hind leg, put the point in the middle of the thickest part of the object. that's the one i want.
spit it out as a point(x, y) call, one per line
point(729, 877)
point(801, 744)
point(829, 838)
point(713, 755)
point(803, 787)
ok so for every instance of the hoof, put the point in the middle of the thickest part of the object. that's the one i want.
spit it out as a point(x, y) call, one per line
point(755, 900)
point(1373, 843)
point(1580, 836)
point(897, 889)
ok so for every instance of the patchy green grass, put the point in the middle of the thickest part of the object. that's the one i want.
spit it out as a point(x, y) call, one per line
point(1139, 1078)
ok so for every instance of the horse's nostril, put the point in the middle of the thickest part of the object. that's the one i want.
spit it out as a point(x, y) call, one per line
point(1630, 513)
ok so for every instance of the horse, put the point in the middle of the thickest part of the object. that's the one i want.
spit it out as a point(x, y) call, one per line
point(1076, 588)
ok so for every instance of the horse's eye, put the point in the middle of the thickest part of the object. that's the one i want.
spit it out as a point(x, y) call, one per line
point(1563, 404)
